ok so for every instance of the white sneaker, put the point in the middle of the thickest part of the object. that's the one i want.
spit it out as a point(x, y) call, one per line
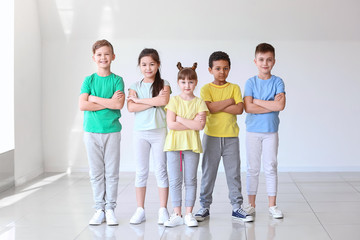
point(110, 218)
point(248, 209)
point(98, 217)
point(275, 212)
point(163, 216)
point(138, 217)
point(174, 220)
point(190, 220)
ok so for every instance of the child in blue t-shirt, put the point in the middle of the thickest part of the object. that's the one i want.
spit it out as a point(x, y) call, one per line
point(264, 97)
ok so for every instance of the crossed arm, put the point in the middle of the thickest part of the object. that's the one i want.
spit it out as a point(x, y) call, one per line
point(178, 123)
point(135, 104)
point(262, 106)
point(92, 103)
point(227, 105)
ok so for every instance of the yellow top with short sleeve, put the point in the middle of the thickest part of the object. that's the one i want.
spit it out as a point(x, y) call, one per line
point(181, 140)
point(221, 124)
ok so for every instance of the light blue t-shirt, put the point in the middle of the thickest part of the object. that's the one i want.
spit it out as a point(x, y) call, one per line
point(151, 118)
point(263, 90)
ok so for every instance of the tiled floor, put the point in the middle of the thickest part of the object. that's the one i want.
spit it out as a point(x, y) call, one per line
point(58, 206)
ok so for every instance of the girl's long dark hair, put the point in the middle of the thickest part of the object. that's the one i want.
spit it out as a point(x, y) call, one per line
point(158, 83)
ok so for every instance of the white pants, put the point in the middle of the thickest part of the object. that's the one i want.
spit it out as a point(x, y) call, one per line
point(261, 146)
point(143, 142)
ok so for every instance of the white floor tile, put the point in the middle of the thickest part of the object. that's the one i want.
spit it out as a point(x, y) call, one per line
point(59, 206)
point(347, 231)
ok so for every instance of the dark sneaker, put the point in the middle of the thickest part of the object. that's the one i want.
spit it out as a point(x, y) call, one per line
point(240, 214)
point(202, 214)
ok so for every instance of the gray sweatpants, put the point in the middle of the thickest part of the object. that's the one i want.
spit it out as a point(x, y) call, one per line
point(103, 150)
point(190, 161)
point(214, 149)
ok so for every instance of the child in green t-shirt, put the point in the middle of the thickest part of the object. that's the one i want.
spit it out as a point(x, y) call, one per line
point(101, 99)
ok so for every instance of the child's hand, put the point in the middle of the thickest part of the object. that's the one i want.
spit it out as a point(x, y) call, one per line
point(133, 98)
point(91, 98)
point(200, 118)
point(178, 118)
point(118, 95)
point(279, 96)
point(163, 92)
point(232, 101)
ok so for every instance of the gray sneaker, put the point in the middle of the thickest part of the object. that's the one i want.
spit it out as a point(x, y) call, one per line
point(202, 214)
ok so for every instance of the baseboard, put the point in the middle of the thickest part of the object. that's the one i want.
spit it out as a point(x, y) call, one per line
point(29, 176)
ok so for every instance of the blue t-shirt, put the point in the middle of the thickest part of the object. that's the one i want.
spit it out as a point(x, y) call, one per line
point(263, 90)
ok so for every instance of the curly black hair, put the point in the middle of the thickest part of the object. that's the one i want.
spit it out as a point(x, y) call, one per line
point(219, 55)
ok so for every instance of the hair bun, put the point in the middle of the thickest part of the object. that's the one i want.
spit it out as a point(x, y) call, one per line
point(179, 66)
point(194, 66)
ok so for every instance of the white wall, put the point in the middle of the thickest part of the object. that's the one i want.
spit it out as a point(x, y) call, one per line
point(7, 79)
point(7, 96)
point(317, 48)
point(28, 92)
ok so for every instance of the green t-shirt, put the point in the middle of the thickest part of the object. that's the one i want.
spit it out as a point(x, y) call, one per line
point(105, 120)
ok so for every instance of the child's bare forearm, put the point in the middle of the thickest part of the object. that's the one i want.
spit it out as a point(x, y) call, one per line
point(176, 126)
point(160, 100)
point(89, 106)
point(137, 107)
point(155, 101)
point(219, 106)
point(85, 105)
point(274, 105)
point(111, 103)
point(235, 109)
point(193, 124)
point(250, 107)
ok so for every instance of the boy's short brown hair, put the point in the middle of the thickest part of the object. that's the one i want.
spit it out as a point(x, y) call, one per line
point(101, 43)
point(264, 48)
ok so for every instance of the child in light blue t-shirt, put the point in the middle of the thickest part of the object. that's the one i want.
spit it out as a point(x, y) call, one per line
point(147, 99)
point(264, 97)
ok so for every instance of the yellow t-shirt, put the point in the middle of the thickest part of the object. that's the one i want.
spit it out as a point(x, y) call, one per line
point(184, 139)
point(221, 124)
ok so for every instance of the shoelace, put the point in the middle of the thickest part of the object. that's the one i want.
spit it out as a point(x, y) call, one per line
point(242, 212)
point(203, 211)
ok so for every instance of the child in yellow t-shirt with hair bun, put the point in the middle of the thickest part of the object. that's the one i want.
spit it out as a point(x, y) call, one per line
point(185, 116)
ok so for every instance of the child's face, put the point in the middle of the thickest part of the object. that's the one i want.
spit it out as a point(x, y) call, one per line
point(264, 62)
point(220, 70)
point(148, 67)
point(187, 86)
point(103, 57)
